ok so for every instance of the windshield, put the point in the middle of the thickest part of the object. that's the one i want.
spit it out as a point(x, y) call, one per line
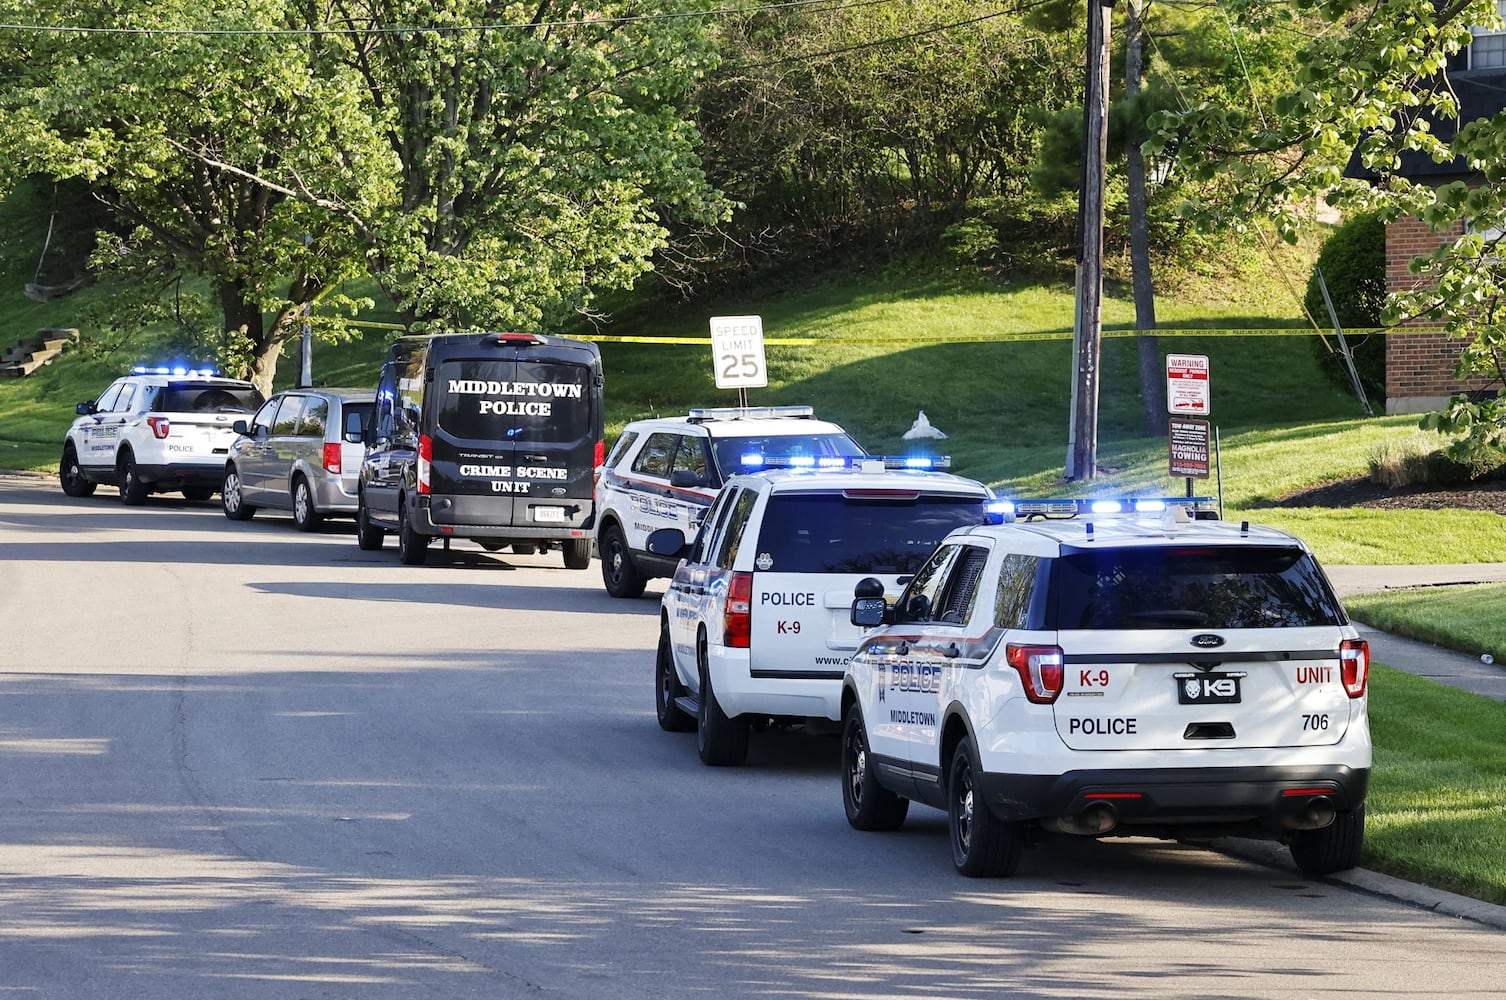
point(833, 533)
point(1192, 587)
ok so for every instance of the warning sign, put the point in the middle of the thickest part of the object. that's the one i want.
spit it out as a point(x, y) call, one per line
point(1189, 448)
point(1187, 384)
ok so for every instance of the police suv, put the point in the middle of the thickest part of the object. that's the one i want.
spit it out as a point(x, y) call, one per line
point(754, 625)
point(664, 473)
point(1145, 673)
point(154, 430)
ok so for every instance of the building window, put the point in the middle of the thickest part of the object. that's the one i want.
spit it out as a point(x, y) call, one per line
point(1488, 50)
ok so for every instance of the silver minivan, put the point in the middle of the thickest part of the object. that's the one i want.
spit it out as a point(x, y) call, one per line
point(301, 452)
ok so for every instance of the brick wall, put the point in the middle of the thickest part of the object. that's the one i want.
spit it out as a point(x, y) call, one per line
point(1419, 366)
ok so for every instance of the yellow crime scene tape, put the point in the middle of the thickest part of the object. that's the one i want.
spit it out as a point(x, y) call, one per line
point(992, 338)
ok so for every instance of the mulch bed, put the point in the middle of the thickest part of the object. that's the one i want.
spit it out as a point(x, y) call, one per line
point(1362, 492)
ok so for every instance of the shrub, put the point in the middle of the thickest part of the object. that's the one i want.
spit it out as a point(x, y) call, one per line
point(1353, 262)
point(1417, 459)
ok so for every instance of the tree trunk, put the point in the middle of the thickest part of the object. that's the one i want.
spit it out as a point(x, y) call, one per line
point(1147, 346)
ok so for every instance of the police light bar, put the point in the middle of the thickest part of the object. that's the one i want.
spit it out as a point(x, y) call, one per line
point(1072, 507)
point(754, 461)
point(701, 415)
point(180, 371)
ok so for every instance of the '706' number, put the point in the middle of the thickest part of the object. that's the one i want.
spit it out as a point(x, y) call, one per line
point(1314, 723)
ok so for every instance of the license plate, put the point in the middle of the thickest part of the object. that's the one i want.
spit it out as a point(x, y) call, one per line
point(1208, 688)
point(549, 514)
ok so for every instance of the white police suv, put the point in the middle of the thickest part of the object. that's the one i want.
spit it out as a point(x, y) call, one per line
point(156, 429)
point(664, 473)
point(755, 624)
point(1145, 673)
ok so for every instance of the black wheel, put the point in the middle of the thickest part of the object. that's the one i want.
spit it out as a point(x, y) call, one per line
point(232, 500)
point(368, 536)
point(72, 476)
point(198, 494)
point(306, 516)
point(983, 846)
point(1334, 848)
point(578, 553)
point(869, 805)
point(667, 687)
point(618, 571)
point(132, 490)
point(722, 741)
point(412, 547)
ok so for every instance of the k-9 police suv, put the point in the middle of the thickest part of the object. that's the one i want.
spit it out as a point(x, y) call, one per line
point(154, 430)
point(664, 473)
point(1136, 674)
point(754, 626)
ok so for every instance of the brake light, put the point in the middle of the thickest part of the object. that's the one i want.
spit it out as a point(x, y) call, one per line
point(1354, 666)
point(425, 457)
point(737, 619)
point(332, 457)
point(160, 426)
point(1040, 668)
point(598, 460)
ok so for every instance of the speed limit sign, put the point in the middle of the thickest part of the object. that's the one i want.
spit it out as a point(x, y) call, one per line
point(737, 352)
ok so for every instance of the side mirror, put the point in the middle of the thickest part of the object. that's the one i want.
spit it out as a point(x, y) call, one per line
point(241, 427)
point(669, 542)
point(85, 409)
point(869, 609)
point(685, 479)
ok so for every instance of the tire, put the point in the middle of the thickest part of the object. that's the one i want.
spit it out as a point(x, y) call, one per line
point(1334, 848)
point(368, 536)
point(72, 475)
point(133, 491)
point(619, 574)
point(232, 500)
point(578, 553)
point(306, 516)
point(722, 742)
point(198, 494)
point(869, 805)
point(412, 547)
point(983, 846)
point(667, 687)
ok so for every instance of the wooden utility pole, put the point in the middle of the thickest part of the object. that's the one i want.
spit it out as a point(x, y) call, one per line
point(1087, 339)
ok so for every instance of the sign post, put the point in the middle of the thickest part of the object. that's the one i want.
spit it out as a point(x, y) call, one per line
point(1188, 392)
point(737, 358)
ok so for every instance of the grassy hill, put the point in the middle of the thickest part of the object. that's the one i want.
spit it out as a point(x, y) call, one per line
point(887, 346)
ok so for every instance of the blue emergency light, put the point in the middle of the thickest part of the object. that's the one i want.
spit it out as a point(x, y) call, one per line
point(1200, 508)
point(757, 461)
point(179, 371)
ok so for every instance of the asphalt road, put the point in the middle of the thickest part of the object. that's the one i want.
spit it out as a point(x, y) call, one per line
point(238, 761)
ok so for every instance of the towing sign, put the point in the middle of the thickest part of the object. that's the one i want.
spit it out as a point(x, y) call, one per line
point(1187, 384)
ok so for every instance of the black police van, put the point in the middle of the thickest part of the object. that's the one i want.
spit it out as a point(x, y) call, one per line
point(493, 437)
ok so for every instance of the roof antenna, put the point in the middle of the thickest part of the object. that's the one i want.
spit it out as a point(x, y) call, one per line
point(1089, 526)
point(1244, 527)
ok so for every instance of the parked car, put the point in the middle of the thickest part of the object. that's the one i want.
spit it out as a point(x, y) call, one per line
point(1111, 669)
point(664, 473)
point(301, 452)
point(155, 430)
point(494, 437)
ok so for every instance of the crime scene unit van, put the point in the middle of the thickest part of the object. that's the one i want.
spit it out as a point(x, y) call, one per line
point(755, 623)
point(493, 437)
point(1111, 668)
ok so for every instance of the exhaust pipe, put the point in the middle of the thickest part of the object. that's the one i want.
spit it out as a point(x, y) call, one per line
point(1094, 821)
point(1318, 813)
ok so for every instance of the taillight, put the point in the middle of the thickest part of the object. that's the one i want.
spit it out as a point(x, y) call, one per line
point(598, 459)
point(332, 457)
point(737, 619)
point(160, 426)
point(425, 456)
point(1354, 666)
point(1040, 669)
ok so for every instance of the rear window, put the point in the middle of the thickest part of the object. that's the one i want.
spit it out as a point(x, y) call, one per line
point(833, 533)
point(515, 401)
point(356, 415)
point(207, 399)
point(1191, 587)
point(730, 452)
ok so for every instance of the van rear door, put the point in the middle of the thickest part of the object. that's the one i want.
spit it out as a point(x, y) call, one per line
point(515, 437)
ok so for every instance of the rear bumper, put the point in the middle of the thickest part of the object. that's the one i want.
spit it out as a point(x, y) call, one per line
point(1187, 795)
point(799, 696)
point(332, 494)
point(210, 472)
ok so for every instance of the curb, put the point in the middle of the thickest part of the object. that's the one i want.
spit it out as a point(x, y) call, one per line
point(1448, 904)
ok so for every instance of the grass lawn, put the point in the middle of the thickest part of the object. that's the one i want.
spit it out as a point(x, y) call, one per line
point(1437, 807)
point(1471, 619)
